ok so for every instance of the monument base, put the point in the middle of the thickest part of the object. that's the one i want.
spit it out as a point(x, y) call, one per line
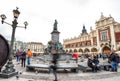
point(5, 75)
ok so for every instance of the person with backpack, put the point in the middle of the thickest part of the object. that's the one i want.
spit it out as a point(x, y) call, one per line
point(113, 58)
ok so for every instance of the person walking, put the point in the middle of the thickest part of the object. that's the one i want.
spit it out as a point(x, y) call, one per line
point(54, 62)
point(23, 59)
point(29, 54)
point(18, 56)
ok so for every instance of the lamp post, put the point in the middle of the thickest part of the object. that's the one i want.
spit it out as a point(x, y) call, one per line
point(15, 49)
point(9, 70)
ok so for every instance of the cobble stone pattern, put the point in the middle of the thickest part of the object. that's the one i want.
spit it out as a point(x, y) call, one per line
point(44, 76)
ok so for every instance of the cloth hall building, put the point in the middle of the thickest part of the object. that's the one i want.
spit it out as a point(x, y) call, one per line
point(107, 33)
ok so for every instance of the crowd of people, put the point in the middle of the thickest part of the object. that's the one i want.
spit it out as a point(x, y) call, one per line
point(112, 57)
point(22, 55)
point(92, 62)
point(93, 59)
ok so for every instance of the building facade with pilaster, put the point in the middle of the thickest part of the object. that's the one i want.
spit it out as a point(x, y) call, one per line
point(107, 33)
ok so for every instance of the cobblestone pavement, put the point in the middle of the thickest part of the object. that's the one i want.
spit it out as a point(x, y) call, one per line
point(64, 76)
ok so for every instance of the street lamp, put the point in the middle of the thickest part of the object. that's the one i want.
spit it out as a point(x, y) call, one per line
point(16, 13)
point(9, 70)
point(3, 18)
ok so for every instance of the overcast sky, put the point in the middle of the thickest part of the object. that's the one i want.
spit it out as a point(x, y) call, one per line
point(40, 14)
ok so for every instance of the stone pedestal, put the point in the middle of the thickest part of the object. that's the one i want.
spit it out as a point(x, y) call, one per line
point(5, 75)
point(9, 70)
point(55, 36)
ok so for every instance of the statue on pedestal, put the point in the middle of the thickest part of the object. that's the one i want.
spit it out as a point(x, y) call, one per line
point(54, 43)
point(55, 25)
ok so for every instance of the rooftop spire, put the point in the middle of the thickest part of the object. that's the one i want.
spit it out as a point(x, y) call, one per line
point(84, 31)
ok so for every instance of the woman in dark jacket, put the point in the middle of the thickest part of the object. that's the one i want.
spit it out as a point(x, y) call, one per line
point(23, 59)
point(91, 64)
point(96, 62)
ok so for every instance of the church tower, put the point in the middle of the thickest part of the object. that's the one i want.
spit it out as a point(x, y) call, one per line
point(84, 31)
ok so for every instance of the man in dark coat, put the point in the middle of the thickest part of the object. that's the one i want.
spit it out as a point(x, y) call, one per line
point(23, 59)
point(113, 59)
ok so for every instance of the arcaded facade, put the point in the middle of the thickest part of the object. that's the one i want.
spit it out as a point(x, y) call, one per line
point(107, 32)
